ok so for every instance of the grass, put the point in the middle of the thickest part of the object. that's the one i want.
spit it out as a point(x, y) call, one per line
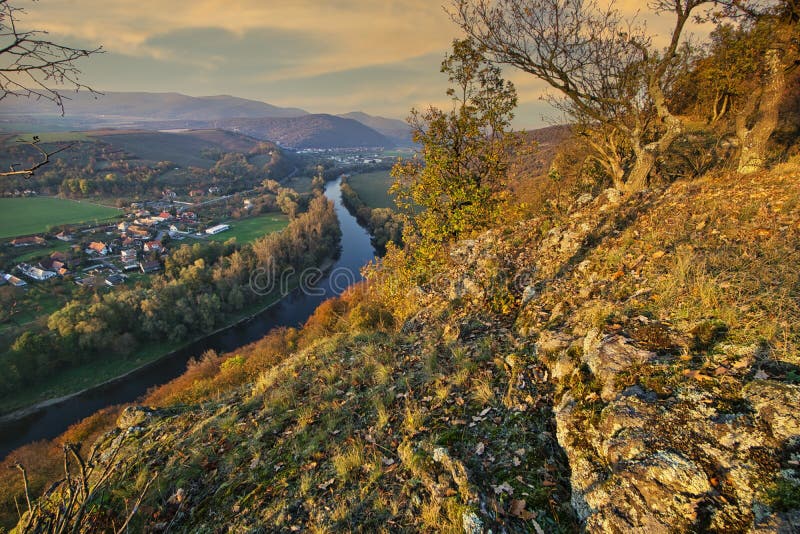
point(183, 150)
point(252, 228)
point(373, 188)
point(24, 216)
point(31, 253)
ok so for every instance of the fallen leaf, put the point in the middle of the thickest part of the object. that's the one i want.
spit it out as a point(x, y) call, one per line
point(658, 255)
point(517, 509)
point(480, 448)
point(325, 485)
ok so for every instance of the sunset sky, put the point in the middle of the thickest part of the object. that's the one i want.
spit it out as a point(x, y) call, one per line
point(378, 56)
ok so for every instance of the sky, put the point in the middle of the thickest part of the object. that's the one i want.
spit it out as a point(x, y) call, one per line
point(333, 56)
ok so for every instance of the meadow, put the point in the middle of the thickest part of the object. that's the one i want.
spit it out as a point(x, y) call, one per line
point(373, 188)
point(252, 228)
point(24, 216)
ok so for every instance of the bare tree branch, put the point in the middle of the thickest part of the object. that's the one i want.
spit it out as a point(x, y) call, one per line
point(30, 64)
point(27, 172)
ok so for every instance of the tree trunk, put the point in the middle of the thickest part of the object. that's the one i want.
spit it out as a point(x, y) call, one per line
point(642, 167)
point(753, 139)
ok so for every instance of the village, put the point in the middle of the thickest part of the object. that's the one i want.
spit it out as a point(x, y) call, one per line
point(107, 254)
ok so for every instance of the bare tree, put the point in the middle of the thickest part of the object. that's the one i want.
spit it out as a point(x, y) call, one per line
point(610, 78)
point(31, 66)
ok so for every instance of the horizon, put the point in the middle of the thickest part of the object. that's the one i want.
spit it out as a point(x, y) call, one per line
point(353, 55)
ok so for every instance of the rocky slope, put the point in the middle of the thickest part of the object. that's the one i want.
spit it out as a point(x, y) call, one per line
point(630, 367)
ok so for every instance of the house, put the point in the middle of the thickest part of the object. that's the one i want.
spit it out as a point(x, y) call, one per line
point(28, 241)
point(138, 231)
point(123, 226)
point(165, 216)
point(35, 273)
point(115, 279)
point(14, 281)
point(128, 256)
point(63, 236)
point(149, 266)
point(217, 229)
point(189, 215)
point(97, 247)
point(213, 190)
point(153, 246)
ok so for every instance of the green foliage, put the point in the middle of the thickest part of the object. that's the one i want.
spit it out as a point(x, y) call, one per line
point(458, 188)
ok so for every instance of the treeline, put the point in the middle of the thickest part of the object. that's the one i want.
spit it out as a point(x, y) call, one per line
point(383, 224)
point(202, 286)
point(98, 169)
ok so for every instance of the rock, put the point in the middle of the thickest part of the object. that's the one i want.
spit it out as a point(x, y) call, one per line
point(608, 356)
point(584, 199)
point(134, 416)
point(528, 294)
point(778, 405)
point(472, 523)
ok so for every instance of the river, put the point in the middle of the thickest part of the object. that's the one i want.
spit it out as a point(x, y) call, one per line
point(293, 310)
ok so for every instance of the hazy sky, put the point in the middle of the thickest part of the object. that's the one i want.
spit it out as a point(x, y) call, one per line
point(378, 56)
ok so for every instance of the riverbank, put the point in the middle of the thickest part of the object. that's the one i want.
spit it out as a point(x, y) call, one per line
point(108, 373)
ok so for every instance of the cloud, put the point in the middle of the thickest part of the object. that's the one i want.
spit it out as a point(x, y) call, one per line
point(323, 55)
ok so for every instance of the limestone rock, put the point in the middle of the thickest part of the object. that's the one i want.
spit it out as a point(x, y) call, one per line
point(608, 356)
point(778, 405)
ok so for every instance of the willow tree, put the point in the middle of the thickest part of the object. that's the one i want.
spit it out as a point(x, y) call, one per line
point(608, 76)
point(458, 186)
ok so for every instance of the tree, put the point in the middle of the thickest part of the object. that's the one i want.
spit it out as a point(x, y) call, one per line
point(459, 187)
point(30, 65)
point(610, 79)
point(769, 30)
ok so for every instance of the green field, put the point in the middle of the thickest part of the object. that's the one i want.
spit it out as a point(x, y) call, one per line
point(250, 229)
point(24, 216)
point(373, 188)
point(54, 137)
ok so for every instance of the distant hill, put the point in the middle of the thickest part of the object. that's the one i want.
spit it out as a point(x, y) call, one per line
point(396, 130)
point(289, 127)
point(183, 148)
point(310, 131)
point(125, 106)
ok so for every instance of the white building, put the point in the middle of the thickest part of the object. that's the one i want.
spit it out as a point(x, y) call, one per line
point(217, 229)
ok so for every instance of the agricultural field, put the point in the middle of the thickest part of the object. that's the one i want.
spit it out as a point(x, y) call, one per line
point(24, 216)
point(252, 228)
point(373, 188)
point(53, 137)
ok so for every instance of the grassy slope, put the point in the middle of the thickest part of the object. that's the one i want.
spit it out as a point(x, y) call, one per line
point(183, 150)
point(22, 216)
point(373, 188)
point(406, 429)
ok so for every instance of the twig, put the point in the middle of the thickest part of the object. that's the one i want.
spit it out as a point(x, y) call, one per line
point(30, 171)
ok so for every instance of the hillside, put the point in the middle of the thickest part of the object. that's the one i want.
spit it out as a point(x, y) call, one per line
point(310, 131)
point(110, 106)
point(631, 366)
point(396, 130)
